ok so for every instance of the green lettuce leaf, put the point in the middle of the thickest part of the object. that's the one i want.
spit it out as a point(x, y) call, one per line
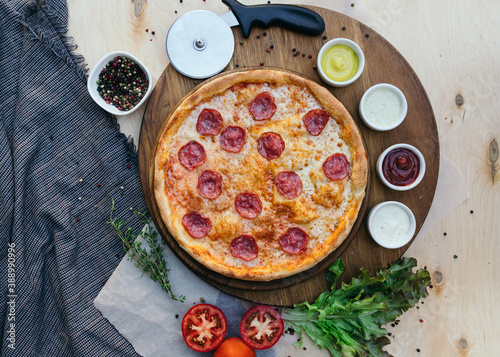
point(348, 321)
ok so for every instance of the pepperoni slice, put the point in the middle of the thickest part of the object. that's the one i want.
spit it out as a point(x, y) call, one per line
point(244, 247)
point(232, 139)
point(270, 145)
point(315, 121)
point(192, 155)
point(248, 205)
point(209, 122)
point(336, 167)
point(210, 184)
point(262, 106)
point(294, 241)
point(288, 184)
point(196, 225)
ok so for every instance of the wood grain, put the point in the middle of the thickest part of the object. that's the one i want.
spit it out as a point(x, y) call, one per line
point(384, 64)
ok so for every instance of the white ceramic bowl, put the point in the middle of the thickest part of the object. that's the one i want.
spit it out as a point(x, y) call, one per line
point(421, 173)
point(94, 76)
point(354, 46)
point(385, 224)
point(394, 94)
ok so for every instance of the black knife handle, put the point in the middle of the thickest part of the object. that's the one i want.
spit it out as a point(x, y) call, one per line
point(292, 17)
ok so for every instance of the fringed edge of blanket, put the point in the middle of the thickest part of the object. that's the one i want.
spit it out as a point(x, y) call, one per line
point(64, 47)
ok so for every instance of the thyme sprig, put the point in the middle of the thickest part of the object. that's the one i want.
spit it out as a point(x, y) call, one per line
point(150, 261)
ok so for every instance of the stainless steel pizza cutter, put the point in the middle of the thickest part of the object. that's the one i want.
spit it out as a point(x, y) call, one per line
point(200, 43)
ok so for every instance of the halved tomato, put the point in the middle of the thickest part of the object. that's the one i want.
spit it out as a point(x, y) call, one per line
point(204, 327)
point(261, 327)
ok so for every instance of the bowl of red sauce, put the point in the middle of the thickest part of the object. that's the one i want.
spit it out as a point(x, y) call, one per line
point(401, 167)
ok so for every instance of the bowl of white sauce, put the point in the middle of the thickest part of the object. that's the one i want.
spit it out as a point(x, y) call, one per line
point(383, 107)
point(391, 224)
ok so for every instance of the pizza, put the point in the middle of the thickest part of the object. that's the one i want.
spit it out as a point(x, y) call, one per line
point(259, 174)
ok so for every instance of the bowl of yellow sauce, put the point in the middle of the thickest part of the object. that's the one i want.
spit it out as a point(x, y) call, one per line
point(340, 62)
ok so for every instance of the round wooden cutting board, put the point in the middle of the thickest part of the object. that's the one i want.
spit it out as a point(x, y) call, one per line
point(277, 47)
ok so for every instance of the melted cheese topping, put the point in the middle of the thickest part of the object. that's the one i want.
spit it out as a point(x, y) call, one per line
point(319, 209)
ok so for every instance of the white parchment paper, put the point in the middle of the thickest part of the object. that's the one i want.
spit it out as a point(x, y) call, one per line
point(144, 314)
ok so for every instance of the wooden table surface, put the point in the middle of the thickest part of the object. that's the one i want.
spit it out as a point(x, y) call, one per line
point(453, 47)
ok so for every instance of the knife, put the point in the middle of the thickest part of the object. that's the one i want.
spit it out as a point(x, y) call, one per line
point(292, 17)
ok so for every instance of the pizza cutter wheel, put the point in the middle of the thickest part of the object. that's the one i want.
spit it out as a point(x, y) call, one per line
point(200, 44)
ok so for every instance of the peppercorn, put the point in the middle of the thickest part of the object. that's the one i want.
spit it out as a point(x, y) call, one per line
point(343, 28)
point(324, 37)
point(367, 35)
point(294, 49)
point(122, 83)
point(272, 46)
point(264, 34)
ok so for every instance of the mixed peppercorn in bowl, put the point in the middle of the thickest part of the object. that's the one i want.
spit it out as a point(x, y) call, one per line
point(119, 83)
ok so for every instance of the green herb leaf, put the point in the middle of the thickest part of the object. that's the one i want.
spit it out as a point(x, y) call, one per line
point(348, 321)
point(150, 260)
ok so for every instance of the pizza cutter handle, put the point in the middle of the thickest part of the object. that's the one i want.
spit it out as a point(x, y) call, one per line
point(292, 17)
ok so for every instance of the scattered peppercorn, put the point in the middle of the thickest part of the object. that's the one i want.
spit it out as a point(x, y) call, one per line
point(367, 35)
point(471, 211)
point(315, 67)
point(343, 28)
point(304, 348)
point(237, 65)
point(295, 54)
point(175, 11)
point(272, 47)
point(445, 233)
point(352, 5)
point(298, 52)
point(294, 49)
point(421, 320)
point(268, 49)
point(261, 63)
point(241, 42)
point(78, 219)
point(324, 37)
point(152, 33)
point(431, 286)
point(176, 316)
point(147, 30)
point(389, 334)
point(310, 56)
point(128, 166)
point(303, 55)
point(180, 1)
point(264, 34)
point(98, 185)
point(202, 299)
point(122, 83)
point(258, 36)
point(455, 256)
point(195, 82)
point(393, 325)
point(150, 39)
point(418, 350)
point(269, 2)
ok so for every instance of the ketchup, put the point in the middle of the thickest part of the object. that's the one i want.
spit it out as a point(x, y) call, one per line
point(401, 167)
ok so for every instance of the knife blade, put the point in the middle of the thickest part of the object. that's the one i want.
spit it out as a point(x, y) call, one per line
point(292, 17)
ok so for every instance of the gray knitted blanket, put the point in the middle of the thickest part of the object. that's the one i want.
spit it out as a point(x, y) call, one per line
point(62, 160)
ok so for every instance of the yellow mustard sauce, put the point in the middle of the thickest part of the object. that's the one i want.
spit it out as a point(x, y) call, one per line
point(339, 63)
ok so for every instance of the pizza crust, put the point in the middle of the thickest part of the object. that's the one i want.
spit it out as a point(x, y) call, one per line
point(175, 187)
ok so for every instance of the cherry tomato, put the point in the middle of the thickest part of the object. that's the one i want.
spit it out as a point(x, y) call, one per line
point(204, 327)
point(261, 327)
point(234, 347)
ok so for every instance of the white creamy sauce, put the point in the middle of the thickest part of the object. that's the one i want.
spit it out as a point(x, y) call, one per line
point(391, 225)
point(382, 107)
